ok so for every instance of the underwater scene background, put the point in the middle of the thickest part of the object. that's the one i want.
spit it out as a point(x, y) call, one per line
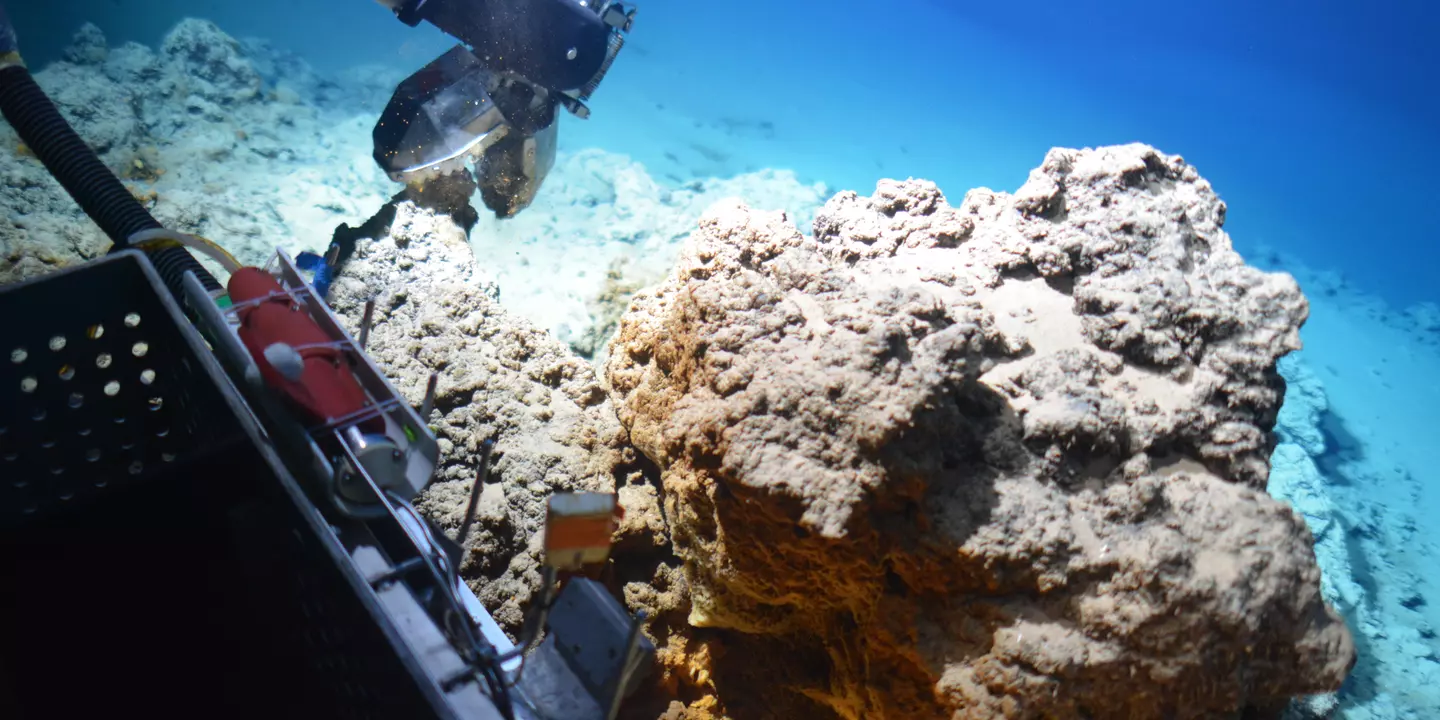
point(1313, 122)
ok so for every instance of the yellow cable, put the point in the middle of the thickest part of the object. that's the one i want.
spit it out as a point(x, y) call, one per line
point(161, 238)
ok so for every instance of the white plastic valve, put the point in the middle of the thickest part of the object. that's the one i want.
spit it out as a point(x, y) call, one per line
point(286, 361)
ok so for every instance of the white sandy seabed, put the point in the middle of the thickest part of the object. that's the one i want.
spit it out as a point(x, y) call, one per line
point(258, 151)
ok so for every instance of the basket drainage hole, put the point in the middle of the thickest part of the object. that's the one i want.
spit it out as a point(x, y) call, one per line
point(76, 400)
point(147, 376)
point(47, 444)
point(140, 348)
point(162, 432)
point(102, 360)
point(92, 454)
point(132, 320)
point(30, 510)
point(112, 388)
point(21, 484)
point(156, 403)
point(57, 343)
point(136, 467)
point(18, 355)
point(39, 415)
point(57, 471)
point(83, 432)
point(66, 495)
point(28, 384)
point(100, 483)
point(12, 457)
point(167, 457)
point(66, 372)
point(95, 332)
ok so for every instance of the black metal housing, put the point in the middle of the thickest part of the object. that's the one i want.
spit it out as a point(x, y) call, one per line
point(557, 44)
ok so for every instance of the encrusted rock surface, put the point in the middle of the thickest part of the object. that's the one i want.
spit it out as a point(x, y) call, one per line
point(500, 378)
point(1004, 459)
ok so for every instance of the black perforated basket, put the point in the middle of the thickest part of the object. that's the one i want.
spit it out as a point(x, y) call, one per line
point(98, 389)
point(155, 555)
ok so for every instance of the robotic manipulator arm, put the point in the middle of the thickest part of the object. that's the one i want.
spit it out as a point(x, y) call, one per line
point(494, 100)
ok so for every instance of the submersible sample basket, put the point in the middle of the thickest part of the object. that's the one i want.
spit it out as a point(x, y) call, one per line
point(155, 555)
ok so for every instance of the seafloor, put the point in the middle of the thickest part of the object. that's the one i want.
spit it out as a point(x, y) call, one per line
point(244, 144)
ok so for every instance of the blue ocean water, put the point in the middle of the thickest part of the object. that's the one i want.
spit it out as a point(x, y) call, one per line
point(1316, 122)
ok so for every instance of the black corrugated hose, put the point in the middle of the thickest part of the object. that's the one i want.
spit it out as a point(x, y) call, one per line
point(93, 186)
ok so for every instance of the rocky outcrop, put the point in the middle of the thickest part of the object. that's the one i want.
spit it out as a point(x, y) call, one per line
point(1005, 459)
point(500, 379)
point(212, 70)
point(238, 142)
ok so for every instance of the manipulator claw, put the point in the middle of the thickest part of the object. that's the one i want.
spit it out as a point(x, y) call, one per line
point(495, 103)
point(456, 112)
